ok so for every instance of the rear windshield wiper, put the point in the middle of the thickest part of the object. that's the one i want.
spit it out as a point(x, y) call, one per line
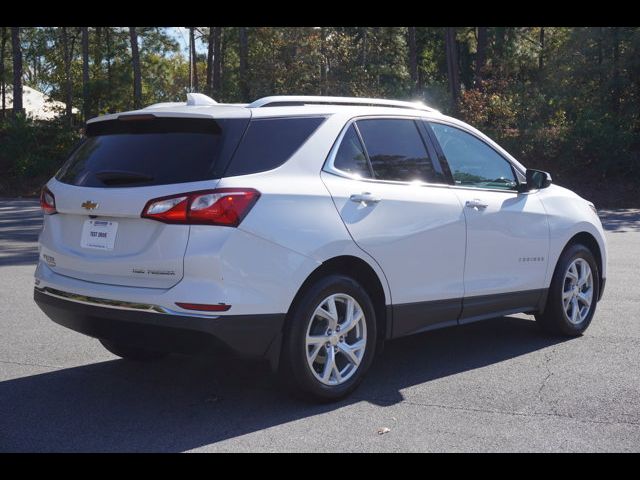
point(122, 177)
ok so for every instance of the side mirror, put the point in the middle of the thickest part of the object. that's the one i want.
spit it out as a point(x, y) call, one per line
point(536, 180)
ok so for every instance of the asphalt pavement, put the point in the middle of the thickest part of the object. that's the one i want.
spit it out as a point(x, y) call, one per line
point(498, 385)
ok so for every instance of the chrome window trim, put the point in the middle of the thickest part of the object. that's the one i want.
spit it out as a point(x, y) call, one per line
point(115, 304)
point(329, 167)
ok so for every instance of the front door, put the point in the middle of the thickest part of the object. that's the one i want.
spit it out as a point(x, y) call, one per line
point(507, 232)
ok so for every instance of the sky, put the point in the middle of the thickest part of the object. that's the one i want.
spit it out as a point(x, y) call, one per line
point(181, 35)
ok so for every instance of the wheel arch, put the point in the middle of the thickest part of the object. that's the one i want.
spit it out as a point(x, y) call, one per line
point(589, 241)
point(365, 274)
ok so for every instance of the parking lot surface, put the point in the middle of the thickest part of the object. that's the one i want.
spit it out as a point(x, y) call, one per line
point(498, 385)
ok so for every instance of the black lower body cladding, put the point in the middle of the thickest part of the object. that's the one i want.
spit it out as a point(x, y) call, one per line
point(246, 335)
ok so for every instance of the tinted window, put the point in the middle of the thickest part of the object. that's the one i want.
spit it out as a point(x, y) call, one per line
point(350, 157)
point(396, 150)
point(473, 162)
point(157, 151)
point(269, 142)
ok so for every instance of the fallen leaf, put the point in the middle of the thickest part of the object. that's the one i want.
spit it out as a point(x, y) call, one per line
point(383, 430)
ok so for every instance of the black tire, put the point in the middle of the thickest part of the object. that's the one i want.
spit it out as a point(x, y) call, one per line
point(555, 320)
point(294, 372)
point(135, 354)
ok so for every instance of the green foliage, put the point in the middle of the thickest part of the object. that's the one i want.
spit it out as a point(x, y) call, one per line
point(32, 151)
point(563, 99)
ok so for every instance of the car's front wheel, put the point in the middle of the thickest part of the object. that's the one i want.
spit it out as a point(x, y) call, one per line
point(129, 352)
point(330, 339)
point(573, 294)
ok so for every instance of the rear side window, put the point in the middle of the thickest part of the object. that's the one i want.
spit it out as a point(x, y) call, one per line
point(269, 142)
point(154, 151)
point(396, 150)
point(350, 157)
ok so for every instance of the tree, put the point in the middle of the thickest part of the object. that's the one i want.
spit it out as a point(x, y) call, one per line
point(3, 82)
point(194, 59)
point(452, 65)
point(137, 76)
point(244, 60)
point(324, 67)
point(413, 57)
point(216, 88)
point(67, 55)
point(541, 56)
point(16, 50)
point(481, 53)
point(210, 47)
point(615, 97)
point(85, 74)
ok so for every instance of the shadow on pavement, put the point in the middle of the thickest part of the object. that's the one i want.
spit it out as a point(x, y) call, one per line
point(183, 403)
point(20, 223)
point(621, 220)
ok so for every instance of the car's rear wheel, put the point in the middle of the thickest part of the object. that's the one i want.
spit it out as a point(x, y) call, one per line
point(129, 352)
point(573, 294)
point(330, 339)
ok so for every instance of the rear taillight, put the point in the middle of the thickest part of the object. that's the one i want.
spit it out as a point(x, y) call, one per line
point(47, 201)
point(223, 206)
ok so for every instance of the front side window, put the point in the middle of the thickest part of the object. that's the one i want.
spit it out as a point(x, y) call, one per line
point(472, 162)
point(396, 150)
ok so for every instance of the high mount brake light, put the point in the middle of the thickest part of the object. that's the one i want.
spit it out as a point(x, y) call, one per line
point(47, 201)
point(222, 206)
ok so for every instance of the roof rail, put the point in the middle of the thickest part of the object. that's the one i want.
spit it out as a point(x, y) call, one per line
point(292, 100)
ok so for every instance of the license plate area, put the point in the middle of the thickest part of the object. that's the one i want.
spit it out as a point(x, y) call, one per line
point(99, 234)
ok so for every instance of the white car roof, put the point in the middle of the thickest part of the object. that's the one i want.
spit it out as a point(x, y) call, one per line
point(198, 105)
point(201, 106)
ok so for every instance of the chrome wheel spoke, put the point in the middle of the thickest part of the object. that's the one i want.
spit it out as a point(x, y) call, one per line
point(566, 298)
point(584, 277)
point(353, 316)
point(574, 310)
point(336, 339)
point(329, 364)
point(336, 373)
point(584, 298)
point(351, 351)
point(572, 273)
point(313, 355)
point(316, 339)
point(577, 294)
point(330, 313)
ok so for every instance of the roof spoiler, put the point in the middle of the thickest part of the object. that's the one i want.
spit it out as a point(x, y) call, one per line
point(199, 99)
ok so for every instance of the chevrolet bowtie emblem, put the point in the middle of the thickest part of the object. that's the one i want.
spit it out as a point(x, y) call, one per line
point(89, 205)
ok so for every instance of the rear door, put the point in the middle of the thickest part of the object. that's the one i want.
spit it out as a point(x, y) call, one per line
point(98, 234)
point(394, 201)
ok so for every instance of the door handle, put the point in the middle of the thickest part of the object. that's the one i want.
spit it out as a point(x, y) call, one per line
point(365, 197)
point(476, 204)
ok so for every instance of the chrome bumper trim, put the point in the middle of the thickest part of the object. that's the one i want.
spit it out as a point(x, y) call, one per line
point(104, 302)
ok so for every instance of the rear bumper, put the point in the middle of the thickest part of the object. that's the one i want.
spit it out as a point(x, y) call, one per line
point(246, 335)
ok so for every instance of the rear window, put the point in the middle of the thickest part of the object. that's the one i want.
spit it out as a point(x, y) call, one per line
point(269, 142)
point(156, 151)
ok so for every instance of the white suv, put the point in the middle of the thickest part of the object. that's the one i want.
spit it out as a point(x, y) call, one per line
point(307, 231)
